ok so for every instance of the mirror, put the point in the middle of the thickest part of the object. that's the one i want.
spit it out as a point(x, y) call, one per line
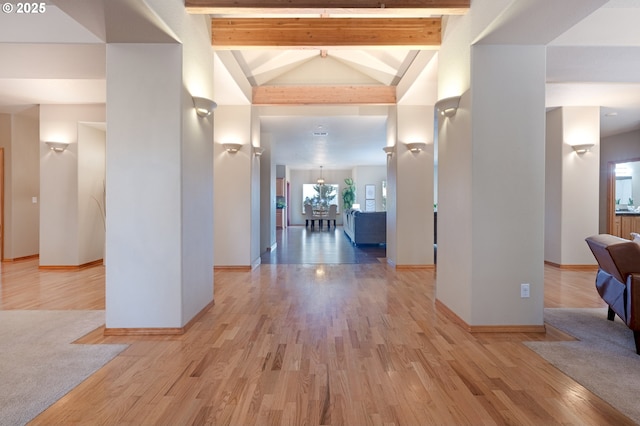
point(627, 188)
point(623, 197)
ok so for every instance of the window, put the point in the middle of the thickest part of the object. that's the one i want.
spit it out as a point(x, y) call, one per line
point(319, 196)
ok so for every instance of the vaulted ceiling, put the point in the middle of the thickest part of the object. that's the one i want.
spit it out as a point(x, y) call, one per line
point(593, 60)
point(323, 72)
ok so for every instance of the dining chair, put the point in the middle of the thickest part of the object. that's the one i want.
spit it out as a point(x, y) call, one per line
point(333, 208)
point(308, 215)
point(317, 215)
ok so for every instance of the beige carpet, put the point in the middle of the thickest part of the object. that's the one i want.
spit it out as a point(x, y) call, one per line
point(603, 360)
point(38, 362)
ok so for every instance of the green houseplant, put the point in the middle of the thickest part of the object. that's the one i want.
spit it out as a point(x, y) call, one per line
point(348, 194)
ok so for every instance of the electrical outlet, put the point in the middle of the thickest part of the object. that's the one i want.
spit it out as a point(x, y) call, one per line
point(524, 290)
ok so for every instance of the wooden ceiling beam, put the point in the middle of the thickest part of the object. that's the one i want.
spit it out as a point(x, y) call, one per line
point(314, 33)
point(261, 7)
point(323, 95)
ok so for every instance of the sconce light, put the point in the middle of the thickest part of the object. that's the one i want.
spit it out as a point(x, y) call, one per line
point(232, 148)
point(204, 107)
point(416, 146)
point(581, 149)
point(389, 150)
point(448, 106)
point(257, 151)
point(57, 146)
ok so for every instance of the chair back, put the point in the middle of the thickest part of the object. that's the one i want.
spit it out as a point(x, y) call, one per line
point(616, 256)
point(332, 212)
point(308, 211)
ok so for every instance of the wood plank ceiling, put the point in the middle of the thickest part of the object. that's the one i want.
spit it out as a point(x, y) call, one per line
point(321, 24)
point(306, 33)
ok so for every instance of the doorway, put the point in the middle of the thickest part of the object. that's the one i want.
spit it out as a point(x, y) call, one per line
point(623, 197)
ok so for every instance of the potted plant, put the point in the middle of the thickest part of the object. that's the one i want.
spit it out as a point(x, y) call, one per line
point(348, 194)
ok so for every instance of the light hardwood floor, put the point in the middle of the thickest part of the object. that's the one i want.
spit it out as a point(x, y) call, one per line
point(317, 344)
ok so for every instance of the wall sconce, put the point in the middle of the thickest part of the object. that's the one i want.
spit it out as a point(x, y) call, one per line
point(257, 151)
point(448, 106)
point(57, 146)
point(581, 149)
point(232, 148)
point(389, 150)
point(204, 107)
point(416, 146)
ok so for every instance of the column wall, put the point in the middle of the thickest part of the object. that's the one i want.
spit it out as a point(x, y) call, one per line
point(491, 240)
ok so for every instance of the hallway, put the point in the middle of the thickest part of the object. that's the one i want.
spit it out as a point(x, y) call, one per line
point(320, 245)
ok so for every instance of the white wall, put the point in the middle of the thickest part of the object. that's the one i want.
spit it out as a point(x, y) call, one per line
point(144, 232)
point(232, 187)
point(500, 151)
point(267, 195)
point(91, 192)
point(553, 187)
point(414, 186)
point(455, 159)
point(580, 195)
point(508, 159)
point(571, 185)
point(59, 233)
point(255, 188)
point(368, 175)
point(21, 145)
point(196, 164)
point(392, 176)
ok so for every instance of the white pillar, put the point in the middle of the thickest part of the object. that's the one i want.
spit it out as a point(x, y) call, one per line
point(159, 192)
point(392, 186)
point(233, 177)
point(491, 194)
point(414, 188)
point(267, 195)
point(572, 180)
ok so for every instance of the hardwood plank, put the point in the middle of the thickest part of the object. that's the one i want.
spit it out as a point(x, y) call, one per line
point(304, 33)
point(358, 344)
point(26, 287)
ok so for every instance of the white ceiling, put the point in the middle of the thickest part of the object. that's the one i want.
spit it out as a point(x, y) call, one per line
point(52, 58)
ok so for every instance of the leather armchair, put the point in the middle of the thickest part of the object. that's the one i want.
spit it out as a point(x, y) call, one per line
point(618, 278)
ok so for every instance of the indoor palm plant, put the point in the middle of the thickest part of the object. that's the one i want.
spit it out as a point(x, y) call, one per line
point(348, 194)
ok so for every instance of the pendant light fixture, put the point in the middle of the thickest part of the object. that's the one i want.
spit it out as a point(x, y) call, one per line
point(320, 180)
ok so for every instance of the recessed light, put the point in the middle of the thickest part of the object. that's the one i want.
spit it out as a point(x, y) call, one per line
point(320, 133)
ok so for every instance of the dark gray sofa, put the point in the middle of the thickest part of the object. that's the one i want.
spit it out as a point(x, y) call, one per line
point(365, 227)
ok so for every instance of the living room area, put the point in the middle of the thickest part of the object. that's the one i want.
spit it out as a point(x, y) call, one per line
point(304, 237)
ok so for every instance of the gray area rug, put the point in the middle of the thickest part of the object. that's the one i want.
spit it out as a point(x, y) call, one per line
point(603, 360)
point(38, 362)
